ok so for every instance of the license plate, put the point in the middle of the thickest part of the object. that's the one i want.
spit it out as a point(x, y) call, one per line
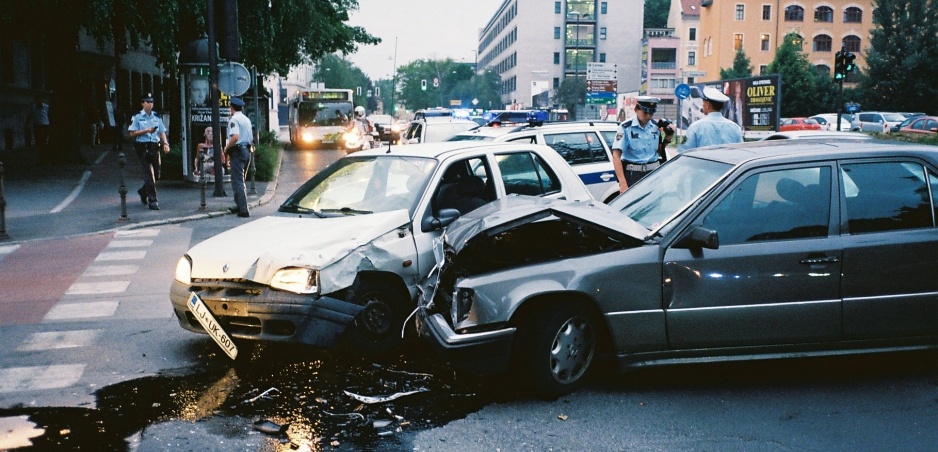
point(208, 321)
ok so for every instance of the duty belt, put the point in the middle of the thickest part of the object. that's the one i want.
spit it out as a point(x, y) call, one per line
point(641, 167)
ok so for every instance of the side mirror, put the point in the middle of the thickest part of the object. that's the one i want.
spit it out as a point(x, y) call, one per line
point(443, 219)
point(699, 237)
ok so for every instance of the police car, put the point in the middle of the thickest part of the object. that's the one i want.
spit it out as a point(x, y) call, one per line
point(585, 145)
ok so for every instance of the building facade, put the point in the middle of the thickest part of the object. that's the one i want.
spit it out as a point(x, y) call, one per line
point(534, 44)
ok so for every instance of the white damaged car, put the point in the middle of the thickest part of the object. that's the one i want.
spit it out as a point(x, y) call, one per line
point(340, 261)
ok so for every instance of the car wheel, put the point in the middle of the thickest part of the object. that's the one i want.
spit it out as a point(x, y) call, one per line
point(556, 348)
point(377, 328)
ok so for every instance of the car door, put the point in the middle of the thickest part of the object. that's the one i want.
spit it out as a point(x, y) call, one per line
point(775, 277)
point(585, 153)
point(890, 282)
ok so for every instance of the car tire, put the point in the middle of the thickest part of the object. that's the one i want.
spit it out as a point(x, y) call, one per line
point(376, 330)
point(555, 349)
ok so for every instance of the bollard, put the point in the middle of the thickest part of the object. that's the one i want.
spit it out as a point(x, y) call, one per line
point(121, 162)
point(3, 209)
point(252, 169)
point(202, 180)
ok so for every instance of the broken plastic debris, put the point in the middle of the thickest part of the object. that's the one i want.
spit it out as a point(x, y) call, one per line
point(562, 417)
point(263, 394)
point(269, 427)
point(382, 399)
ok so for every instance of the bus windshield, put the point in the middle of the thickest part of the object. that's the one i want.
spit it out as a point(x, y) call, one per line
point(323, 114)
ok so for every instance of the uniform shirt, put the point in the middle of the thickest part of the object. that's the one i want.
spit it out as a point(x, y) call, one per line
point(241, 125)
point(711, 129)
point(143, 121)
point(638, 144)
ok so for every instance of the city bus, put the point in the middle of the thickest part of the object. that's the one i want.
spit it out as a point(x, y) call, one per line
point(318, 117)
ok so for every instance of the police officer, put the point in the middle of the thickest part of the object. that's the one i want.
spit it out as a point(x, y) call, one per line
point(149, 134)
point(713, 128)
point(239, 149)
point(639, 144)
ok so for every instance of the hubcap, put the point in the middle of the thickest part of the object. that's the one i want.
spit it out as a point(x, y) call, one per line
point(572, 350)
point(375, 319)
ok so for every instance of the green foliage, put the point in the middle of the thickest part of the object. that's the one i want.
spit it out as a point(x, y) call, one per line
point(741, 67)
point(802, 93)
point(901, 74)
point(656, 13)
point(570, 93)
point(337, 72)
point(458, 84)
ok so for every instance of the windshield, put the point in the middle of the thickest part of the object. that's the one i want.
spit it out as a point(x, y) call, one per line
point(363, 185)
point(894, 117)
point(659, 197)
point(323, 113)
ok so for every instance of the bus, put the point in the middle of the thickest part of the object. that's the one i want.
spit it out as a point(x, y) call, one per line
point(318, 117)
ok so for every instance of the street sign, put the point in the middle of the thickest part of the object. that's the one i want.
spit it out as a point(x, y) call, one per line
point(602, 97)
point(233, 79)
point(601, 71)
point(682, 91)
point(601, 86)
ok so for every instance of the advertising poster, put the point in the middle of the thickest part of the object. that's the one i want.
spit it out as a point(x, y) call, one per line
point(754, 103)
point(200, 116)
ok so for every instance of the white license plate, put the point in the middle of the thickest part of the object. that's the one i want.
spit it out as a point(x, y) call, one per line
point(208, 321)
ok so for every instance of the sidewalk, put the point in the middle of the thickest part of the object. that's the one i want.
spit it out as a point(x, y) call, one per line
point(44, 202)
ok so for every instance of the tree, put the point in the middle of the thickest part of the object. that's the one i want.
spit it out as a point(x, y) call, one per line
point(337, 72)
point(570, 94)
point(801, 92)
point(901, 73)
point(275, 35)
point(741, 67)
point(656, 13)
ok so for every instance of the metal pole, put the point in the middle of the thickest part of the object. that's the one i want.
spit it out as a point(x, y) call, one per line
point(122, 190)
point(257, 128)
point(3, 208)
point(213, 94)
point(203, 180)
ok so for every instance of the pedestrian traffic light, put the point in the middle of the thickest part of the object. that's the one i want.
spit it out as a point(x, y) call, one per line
point(849, 65)
point(423, 84)
point(840, 65)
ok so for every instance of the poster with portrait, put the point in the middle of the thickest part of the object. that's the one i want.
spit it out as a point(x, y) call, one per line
point(200, 117)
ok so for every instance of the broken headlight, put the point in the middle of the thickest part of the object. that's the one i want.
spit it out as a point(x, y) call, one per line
point(299, 280)
point(462, 303)
point(184, 270)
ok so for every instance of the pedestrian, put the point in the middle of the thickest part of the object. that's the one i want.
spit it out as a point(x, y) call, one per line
point(38, 119)
point(639, 147)
point(713, 128)
point(239, 149)
point(149, 134)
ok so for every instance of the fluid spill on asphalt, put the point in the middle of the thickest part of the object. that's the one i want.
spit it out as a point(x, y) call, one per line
point(272, 398)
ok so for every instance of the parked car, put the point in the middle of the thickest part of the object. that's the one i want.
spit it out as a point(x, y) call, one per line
point(387, 127)
point(434, 129)
point(828, 121)
point(691, 108)
point(342, 257)
point(758, 250)
point(585, 145)
point(921, 125)
point(909, 117)
point(875, 121)
point(789, 124)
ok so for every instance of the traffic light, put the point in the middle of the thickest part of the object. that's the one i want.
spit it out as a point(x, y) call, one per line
point(840, 65)
point(423, 85)
point(849, 65)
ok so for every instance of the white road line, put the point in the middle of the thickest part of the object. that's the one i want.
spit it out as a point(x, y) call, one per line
point(130, 243)
point(7, 249)
point(94, 288)
point(53, 340)
point(16, 379)
point(79, 311)
point(138, 233)
point(74, 194)
point(110, 270)
point(120, 255)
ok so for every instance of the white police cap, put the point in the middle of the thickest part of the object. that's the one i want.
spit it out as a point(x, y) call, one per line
point(710, 93)
point(648, 104)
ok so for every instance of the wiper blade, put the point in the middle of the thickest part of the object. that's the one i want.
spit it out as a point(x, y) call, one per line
point(348, 211)
point(294, 208)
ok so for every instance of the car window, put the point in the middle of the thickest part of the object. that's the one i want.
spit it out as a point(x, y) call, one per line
point(577, 148)
point(525, 173)
point(609, 136)
point(774, 205)
point(810, 121)
point(932, 124)
point(887, 196)
point(893, 117)
point(465, 186)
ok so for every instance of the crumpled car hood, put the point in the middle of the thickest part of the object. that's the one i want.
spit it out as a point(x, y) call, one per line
point(512, 211)
point(256, 250)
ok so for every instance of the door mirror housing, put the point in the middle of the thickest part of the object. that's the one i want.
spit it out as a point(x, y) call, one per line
point(699, 237)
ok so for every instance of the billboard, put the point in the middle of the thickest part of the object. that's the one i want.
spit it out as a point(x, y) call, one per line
point(754, 103)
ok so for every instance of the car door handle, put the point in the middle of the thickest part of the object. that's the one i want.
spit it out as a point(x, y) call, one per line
point(606, 177)
point(820, 260)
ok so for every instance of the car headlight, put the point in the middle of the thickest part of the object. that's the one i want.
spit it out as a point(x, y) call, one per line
point(462, 304)
point(351, 136)
point(296, 279)
point(184, 270)
point(307, 136)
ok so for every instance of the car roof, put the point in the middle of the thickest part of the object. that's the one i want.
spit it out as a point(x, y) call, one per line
point(818, 135)
point(443, 149)
point(495, 132)
point(784, 151)
point(444, 119)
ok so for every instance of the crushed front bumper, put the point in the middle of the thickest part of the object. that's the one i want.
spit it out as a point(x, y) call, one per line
point(481, 353)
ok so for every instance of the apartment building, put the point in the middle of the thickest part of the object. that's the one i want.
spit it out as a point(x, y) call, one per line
point(534, 44)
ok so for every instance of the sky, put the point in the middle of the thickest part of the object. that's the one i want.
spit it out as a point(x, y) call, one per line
point(422, 29)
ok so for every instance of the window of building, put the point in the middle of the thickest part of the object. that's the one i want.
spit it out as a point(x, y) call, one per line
point(853, 15)
point(603, 7)
point(763, 68)
point(794, 13)
point(556, 82)
point(764, 42)
point(824, 14)
point(822, 70)
point(557, 8)
point(798, 41)
point(602, 33)
point(692, 34)
point(691, 58)
point(852, 43)
point(602, 57)
point(740, 12)
point(556, 32)
point(556, 57)
point(691, 80)
point(766, 12)
point(737, 41)
point(822, 43)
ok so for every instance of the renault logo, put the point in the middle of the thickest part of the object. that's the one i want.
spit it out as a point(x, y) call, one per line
point(225, 268)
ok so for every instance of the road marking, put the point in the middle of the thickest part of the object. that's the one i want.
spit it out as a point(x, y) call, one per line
point(16, 379)
point(110, 270)
point(53, 340)
point(130, 243)
point(75, 311)
point(94, 288)
point(74, 194)
point(138, 233)
point(7, 249)
point(121, 255)
point(16, 431)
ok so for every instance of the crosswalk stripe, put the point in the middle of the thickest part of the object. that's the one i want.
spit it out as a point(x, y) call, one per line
point(93, 288)
point(16, 379)
point(130, 243)
point(53, 340)
point(138, 233)
point(110, 270)
point(121, 256)
point(76, 311)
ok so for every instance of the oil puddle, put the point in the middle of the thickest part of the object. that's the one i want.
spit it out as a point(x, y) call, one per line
point(272, 398)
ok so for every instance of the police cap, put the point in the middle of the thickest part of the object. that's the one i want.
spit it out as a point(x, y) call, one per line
point(237, 102)
point(647, 104)
point(148, 97)
point(713, 94)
